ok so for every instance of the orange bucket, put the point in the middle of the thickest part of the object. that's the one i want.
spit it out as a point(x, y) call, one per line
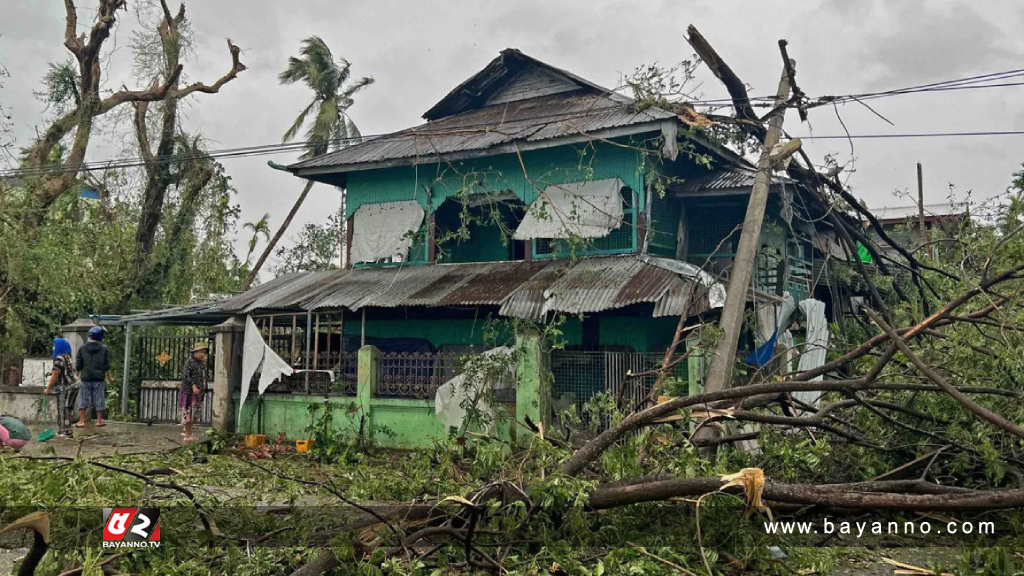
point(255, 440)
point(303, 446)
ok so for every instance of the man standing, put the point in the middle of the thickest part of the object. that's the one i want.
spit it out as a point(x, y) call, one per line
point(93, 365)
point(193, 388)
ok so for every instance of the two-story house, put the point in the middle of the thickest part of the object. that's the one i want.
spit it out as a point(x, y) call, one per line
point(531, 195)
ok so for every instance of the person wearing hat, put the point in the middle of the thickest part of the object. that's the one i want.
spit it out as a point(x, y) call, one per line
point(93, 365)
point(193, 387)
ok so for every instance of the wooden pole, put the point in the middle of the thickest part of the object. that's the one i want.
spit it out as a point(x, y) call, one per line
point(720, 374)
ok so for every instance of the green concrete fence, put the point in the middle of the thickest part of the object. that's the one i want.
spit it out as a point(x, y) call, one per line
point(396, 422)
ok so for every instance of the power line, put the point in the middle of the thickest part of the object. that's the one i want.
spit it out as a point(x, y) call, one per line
point(427, 131)
point(915, 135)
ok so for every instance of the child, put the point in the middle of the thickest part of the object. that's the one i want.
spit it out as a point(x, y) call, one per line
point(13, 433)
point(193, 387)
point(62, 381)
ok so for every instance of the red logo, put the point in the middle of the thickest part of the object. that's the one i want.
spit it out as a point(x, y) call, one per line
point(131, 527)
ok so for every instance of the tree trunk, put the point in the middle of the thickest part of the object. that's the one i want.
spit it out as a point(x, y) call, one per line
point(277, 235)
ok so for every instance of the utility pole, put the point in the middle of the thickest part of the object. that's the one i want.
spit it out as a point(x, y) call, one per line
point(920, 206)
point(720, 374)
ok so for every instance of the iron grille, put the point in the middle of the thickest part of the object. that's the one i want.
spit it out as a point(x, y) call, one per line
point(336, 374)
point(579, 375)
point(162, 356)
point(415, 375)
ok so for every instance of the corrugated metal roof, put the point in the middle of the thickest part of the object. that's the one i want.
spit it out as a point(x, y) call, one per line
point(522, 289)
point(727, 179)
point(492, 78)
point(932, 211)
point(535, 119)
point(205, 313)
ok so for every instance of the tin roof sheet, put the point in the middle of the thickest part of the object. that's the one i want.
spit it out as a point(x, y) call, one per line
point(521, 289)
point(566, 114)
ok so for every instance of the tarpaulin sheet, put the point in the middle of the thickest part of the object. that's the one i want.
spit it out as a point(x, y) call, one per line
point(455, 395)
point(382, 231)
point(582, 209)
point(816, 345)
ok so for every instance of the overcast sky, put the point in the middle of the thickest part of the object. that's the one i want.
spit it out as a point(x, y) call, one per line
point(419, 50)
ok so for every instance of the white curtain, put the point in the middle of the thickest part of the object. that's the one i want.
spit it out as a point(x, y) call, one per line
point(381, 231)
point(583, 209)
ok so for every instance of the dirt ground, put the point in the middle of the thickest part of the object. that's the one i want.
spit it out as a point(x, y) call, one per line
point(120, 437)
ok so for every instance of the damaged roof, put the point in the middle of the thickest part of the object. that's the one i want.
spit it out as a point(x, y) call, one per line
point(525, 289)
point(515, 103)
point(729, 180)
point(486, 130)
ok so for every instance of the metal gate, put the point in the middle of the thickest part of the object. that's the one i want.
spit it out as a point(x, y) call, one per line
point(579, 375)
point(159, 360)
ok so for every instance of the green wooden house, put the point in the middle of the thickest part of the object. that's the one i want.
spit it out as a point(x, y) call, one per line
point(529, 196)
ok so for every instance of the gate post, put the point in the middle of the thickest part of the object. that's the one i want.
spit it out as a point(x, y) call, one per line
point(227, 370)
point(533, 386)
point(76, 333)
point(367, 373)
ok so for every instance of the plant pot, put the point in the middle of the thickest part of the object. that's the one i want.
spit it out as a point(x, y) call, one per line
point(255, 440)
point(303, 446)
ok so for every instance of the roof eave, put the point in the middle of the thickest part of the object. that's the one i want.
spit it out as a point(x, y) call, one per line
point(508, 148)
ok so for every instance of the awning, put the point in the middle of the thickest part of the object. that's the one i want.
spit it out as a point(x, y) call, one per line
point(523, 289)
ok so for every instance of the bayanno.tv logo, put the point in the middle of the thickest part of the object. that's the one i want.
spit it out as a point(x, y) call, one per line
point(131, 527)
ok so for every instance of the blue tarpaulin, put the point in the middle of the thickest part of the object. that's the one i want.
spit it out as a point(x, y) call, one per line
point(764, 353)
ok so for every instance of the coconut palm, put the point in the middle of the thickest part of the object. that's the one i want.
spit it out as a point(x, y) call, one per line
point(259, 228)
point(329, 126)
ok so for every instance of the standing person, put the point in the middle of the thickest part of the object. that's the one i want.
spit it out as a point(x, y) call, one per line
point(62, 381)
point(13, 433)
point(193, 387)
point(93, 365)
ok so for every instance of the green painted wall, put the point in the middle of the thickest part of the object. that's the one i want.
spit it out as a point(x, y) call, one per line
point(431, 184)
point(555, 165)
point(485, 244)
point(438, 331)
point(391, 422)
point(642, 332)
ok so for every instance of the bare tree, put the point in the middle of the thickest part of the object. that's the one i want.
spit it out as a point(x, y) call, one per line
point(87, 51)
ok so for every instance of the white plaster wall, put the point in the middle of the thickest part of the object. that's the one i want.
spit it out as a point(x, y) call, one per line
point(35, 371)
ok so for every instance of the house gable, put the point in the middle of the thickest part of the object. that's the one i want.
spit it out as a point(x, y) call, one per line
point(532, 82)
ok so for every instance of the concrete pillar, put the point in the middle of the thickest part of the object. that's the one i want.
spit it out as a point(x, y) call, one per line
point(533, 382)
point(227, 370)
point(77, 333)
point(367, 374)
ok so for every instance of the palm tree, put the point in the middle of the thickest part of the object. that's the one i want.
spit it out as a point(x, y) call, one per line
point(329, 124)
point(259, 228)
